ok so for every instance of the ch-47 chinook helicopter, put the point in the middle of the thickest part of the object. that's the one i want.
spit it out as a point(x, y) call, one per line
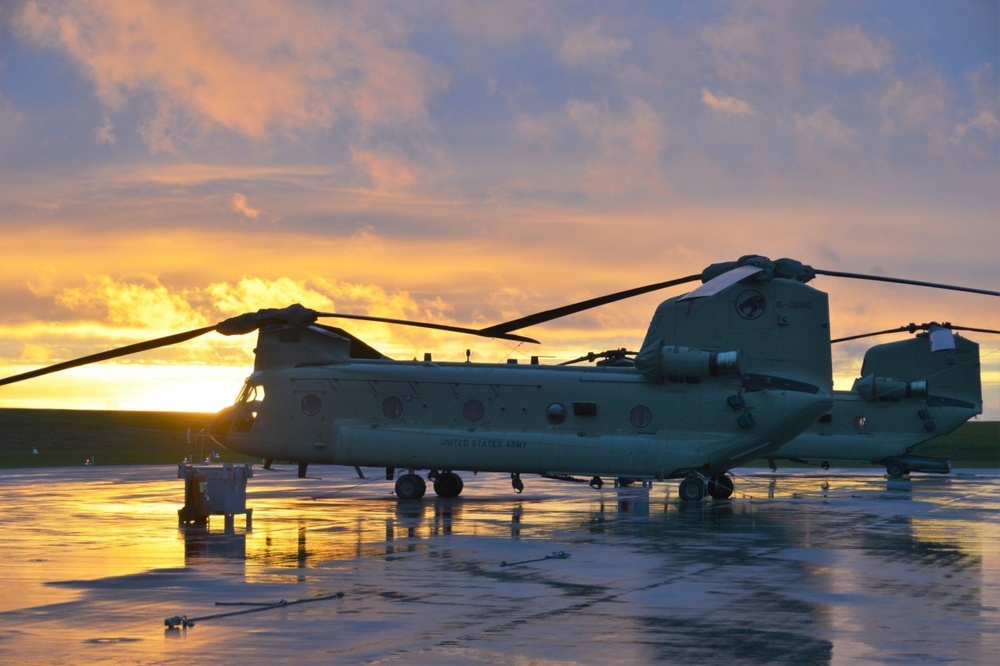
point(909, 392)
point(727, 373)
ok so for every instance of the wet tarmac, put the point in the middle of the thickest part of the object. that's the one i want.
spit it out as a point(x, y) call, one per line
point(800, 567)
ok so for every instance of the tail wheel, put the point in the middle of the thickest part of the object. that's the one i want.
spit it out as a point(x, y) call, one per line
point(410, 486)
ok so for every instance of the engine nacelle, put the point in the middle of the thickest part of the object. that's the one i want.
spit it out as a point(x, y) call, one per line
point(871, 387)
point(672, 363)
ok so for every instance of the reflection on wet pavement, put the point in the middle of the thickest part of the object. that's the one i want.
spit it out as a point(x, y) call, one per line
point(799, 567)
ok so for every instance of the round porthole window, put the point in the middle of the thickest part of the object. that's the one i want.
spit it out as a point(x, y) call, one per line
point(473, 410)
point(311, 404)
point(641, 416)
point(555, 413)
point(392, 407)
point(860, 422)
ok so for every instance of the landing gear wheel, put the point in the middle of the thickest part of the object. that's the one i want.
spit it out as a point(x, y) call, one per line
point(692, 489)
point(895, 469)
point(721, 486)
point(448, 484)
point(410, 486)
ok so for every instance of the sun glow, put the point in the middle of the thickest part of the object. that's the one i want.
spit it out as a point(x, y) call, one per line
point(132, 386)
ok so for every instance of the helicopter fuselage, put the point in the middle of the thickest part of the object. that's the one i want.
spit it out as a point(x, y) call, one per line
point(859, 431)
point(515, 418)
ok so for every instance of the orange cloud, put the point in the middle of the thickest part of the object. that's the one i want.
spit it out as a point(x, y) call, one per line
point(725, 104)
point(583, 45)
point(234, 67)
point(143, 302)
point(386, 171)
point(824, 142)
point(239, 204)
point(627, 147)
point(850, 50)
point(69, 294)
point(761, 43)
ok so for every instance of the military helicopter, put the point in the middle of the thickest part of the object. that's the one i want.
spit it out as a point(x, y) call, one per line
point(727, 373)
point(909, 392)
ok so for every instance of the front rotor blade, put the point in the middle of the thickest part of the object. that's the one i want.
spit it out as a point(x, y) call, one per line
point(918, 283)
point(110, 354)
point(439, 327)
point(556, 313)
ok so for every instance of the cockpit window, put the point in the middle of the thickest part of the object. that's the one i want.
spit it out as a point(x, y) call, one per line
point(251, 393)
point(248, 403)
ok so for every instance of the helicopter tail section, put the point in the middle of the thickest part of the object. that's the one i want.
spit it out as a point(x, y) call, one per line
point(776, 328)
point(910, 392)
point(773, 333)
point(947, 378)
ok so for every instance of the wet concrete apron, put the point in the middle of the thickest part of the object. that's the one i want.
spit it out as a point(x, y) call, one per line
point(799, 567)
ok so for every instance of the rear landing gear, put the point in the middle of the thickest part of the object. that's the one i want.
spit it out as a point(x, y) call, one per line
point(721, 486)
point(692, 489)
point(895, 469)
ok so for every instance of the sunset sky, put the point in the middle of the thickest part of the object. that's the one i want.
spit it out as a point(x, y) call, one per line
point(165, 165)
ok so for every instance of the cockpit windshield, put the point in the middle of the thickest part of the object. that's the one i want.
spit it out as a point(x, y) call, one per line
point(247, 405)
point(251, 393)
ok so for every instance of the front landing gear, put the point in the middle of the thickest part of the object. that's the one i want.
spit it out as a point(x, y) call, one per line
point(410, 486)
point(448, 484)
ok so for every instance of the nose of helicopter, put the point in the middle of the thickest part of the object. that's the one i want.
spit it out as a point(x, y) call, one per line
point(220, 424)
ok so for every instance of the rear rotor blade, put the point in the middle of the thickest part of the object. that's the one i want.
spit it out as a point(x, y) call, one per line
point(974, 330)
point(918, 283)
point(898, 329)
point(556, 313)
point(913, 328)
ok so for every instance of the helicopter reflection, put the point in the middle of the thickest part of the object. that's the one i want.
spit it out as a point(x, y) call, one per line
point(788, 514)
point(347, 529)
point(342, 530)
point(829, 562)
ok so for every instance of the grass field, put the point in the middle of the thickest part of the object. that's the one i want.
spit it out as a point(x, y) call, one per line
point(71, 437)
